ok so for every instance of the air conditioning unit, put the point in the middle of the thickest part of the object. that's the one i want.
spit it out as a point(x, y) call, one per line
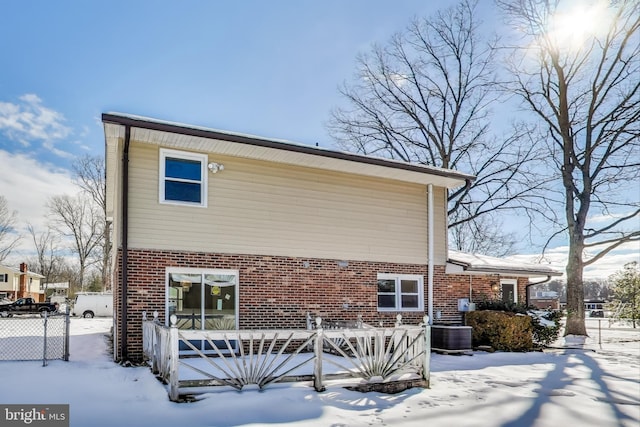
point(448, 339)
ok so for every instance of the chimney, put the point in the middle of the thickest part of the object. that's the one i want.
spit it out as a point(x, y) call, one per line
point(22, 292)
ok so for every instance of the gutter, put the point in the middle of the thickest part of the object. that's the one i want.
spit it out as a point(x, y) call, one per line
point(430, 252)
point(125, 243)
point(187, 130)
point(526, 289)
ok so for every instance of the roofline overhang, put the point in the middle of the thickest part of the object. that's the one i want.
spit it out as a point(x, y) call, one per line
point(524, 272)
point(188, 130)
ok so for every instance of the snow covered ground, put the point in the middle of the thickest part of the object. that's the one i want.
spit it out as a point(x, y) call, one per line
point(598, 386)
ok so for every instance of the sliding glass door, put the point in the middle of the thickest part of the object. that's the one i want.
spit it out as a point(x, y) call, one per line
point(202, 300)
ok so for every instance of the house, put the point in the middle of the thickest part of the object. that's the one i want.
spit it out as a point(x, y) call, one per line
point(228, 231)
point(57, 289)
point(20, 283)
point(487, 277)
point(545, 299)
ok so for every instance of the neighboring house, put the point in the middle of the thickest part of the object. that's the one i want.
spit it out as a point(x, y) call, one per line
point(20, 283)
point(486, 277)
point(234, 231)
point(59, 289)
point(545, 299)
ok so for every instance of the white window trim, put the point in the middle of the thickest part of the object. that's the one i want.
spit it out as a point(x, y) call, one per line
point(202, 158)
point(398, 278)
point(513, 282)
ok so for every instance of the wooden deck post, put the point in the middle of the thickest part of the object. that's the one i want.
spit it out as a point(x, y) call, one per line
point(426, 361)
point(174, 378)
point(317, 369)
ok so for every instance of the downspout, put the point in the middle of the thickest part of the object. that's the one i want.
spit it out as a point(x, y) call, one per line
point(526, 289)
point(430, 252)
point(125, 244)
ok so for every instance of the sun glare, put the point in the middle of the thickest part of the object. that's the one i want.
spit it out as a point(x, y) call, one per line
point(577, 21)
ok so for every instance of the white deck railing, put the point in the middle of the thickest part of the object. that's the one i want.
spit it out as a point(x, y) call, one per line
point(238, 358)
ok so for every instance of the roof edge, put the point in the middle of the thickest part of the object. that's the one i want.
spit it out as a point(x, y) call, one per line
point(188, 130)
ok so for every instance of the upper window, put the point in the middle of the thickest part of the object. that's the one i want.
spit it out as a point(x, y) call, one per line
point(183, 178)
point(400, 292)
point(4, 278)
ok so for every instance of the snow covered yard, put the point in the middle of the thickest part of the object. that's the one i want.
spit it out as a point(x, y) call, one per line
point(581, 387)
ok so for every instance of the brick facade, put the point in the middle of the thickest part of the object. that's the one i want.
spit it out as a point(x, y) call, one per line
point(278, 292)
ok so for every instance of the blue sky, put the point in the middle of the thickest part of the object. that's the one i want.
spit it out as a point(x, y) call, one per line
point(269, 68)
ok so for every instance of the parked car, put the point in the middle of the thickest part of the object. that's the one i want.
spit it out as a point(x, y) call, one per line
point(93, 304)
point(27, 305)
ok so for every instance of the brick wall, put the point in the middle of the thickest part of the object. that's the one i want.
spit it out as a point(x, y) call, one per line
point(277, 292)
point(274, 292)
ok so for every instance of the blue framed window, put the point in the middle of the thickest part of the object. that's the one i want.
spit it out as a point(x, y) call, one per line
point(183, 178)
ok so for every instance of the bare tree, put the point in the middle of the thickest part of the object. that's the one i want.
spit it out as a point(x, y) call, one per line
point(471, 237)
point(585, 94)
point(48, 259)
point(425, 97)
point(79, 219)
point(89, 175)
point(8, 236)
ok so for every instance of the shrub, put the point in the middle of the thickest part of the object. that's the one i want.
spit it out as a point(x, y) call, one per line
point(546, 326)
point(501, 330)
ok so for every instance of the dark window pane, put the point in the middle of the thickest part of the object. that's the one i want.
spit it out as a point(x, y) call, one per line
point(386, 301)
point(409, 286)
point(409, 301)
point(386, 285)
point(183, 169)
point(182, 191)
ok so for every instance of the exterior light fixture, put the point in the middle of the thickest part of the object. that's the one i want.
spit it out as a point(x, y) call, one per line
point(495, 287)
point(215, 167)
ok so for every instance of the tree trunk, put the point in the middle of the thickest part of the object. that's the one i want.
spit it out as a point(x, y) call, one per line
point(575, 288)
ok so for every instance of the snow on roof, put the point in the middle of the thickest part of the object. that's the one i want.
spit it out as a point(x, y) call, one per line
point(17, 271)
point(488, 264)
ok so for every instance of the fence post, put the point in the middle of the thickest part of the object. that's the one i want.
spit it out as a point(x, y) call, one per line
point(317, 371)
point(426, 361)
point(174, 378)
point(67, 324)
point(44, 352)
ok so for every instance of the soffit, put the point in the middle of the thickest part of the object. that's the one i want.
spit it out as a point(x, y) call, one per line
point(282, 152)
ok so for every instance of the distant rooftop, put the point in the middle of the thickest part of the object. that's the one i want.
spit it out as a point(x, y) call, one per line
point(488, 264)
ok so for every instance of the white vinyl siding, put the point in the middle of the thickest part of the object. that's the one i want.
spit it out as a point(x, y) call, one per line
point(268, 208)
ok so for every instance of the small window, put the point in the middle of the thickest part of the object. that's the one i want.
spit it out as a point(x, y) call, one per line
point(183, 178)
point(4, 278)
point(400, 292)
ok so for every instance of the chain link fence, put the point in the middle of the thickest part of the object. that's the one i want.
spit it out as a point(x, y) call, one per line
point(32, 337)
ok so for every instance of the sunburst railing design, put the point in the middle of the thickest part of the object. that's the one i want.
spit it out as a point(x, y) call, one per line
point(377, 353)
point(262, 357)
point(238, 358)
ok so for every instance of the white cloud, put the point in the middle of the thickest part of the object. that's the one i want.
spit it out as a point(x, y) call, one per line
point(27, 185)
point(606, 218)
point(601, 269)
point(29, 120)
